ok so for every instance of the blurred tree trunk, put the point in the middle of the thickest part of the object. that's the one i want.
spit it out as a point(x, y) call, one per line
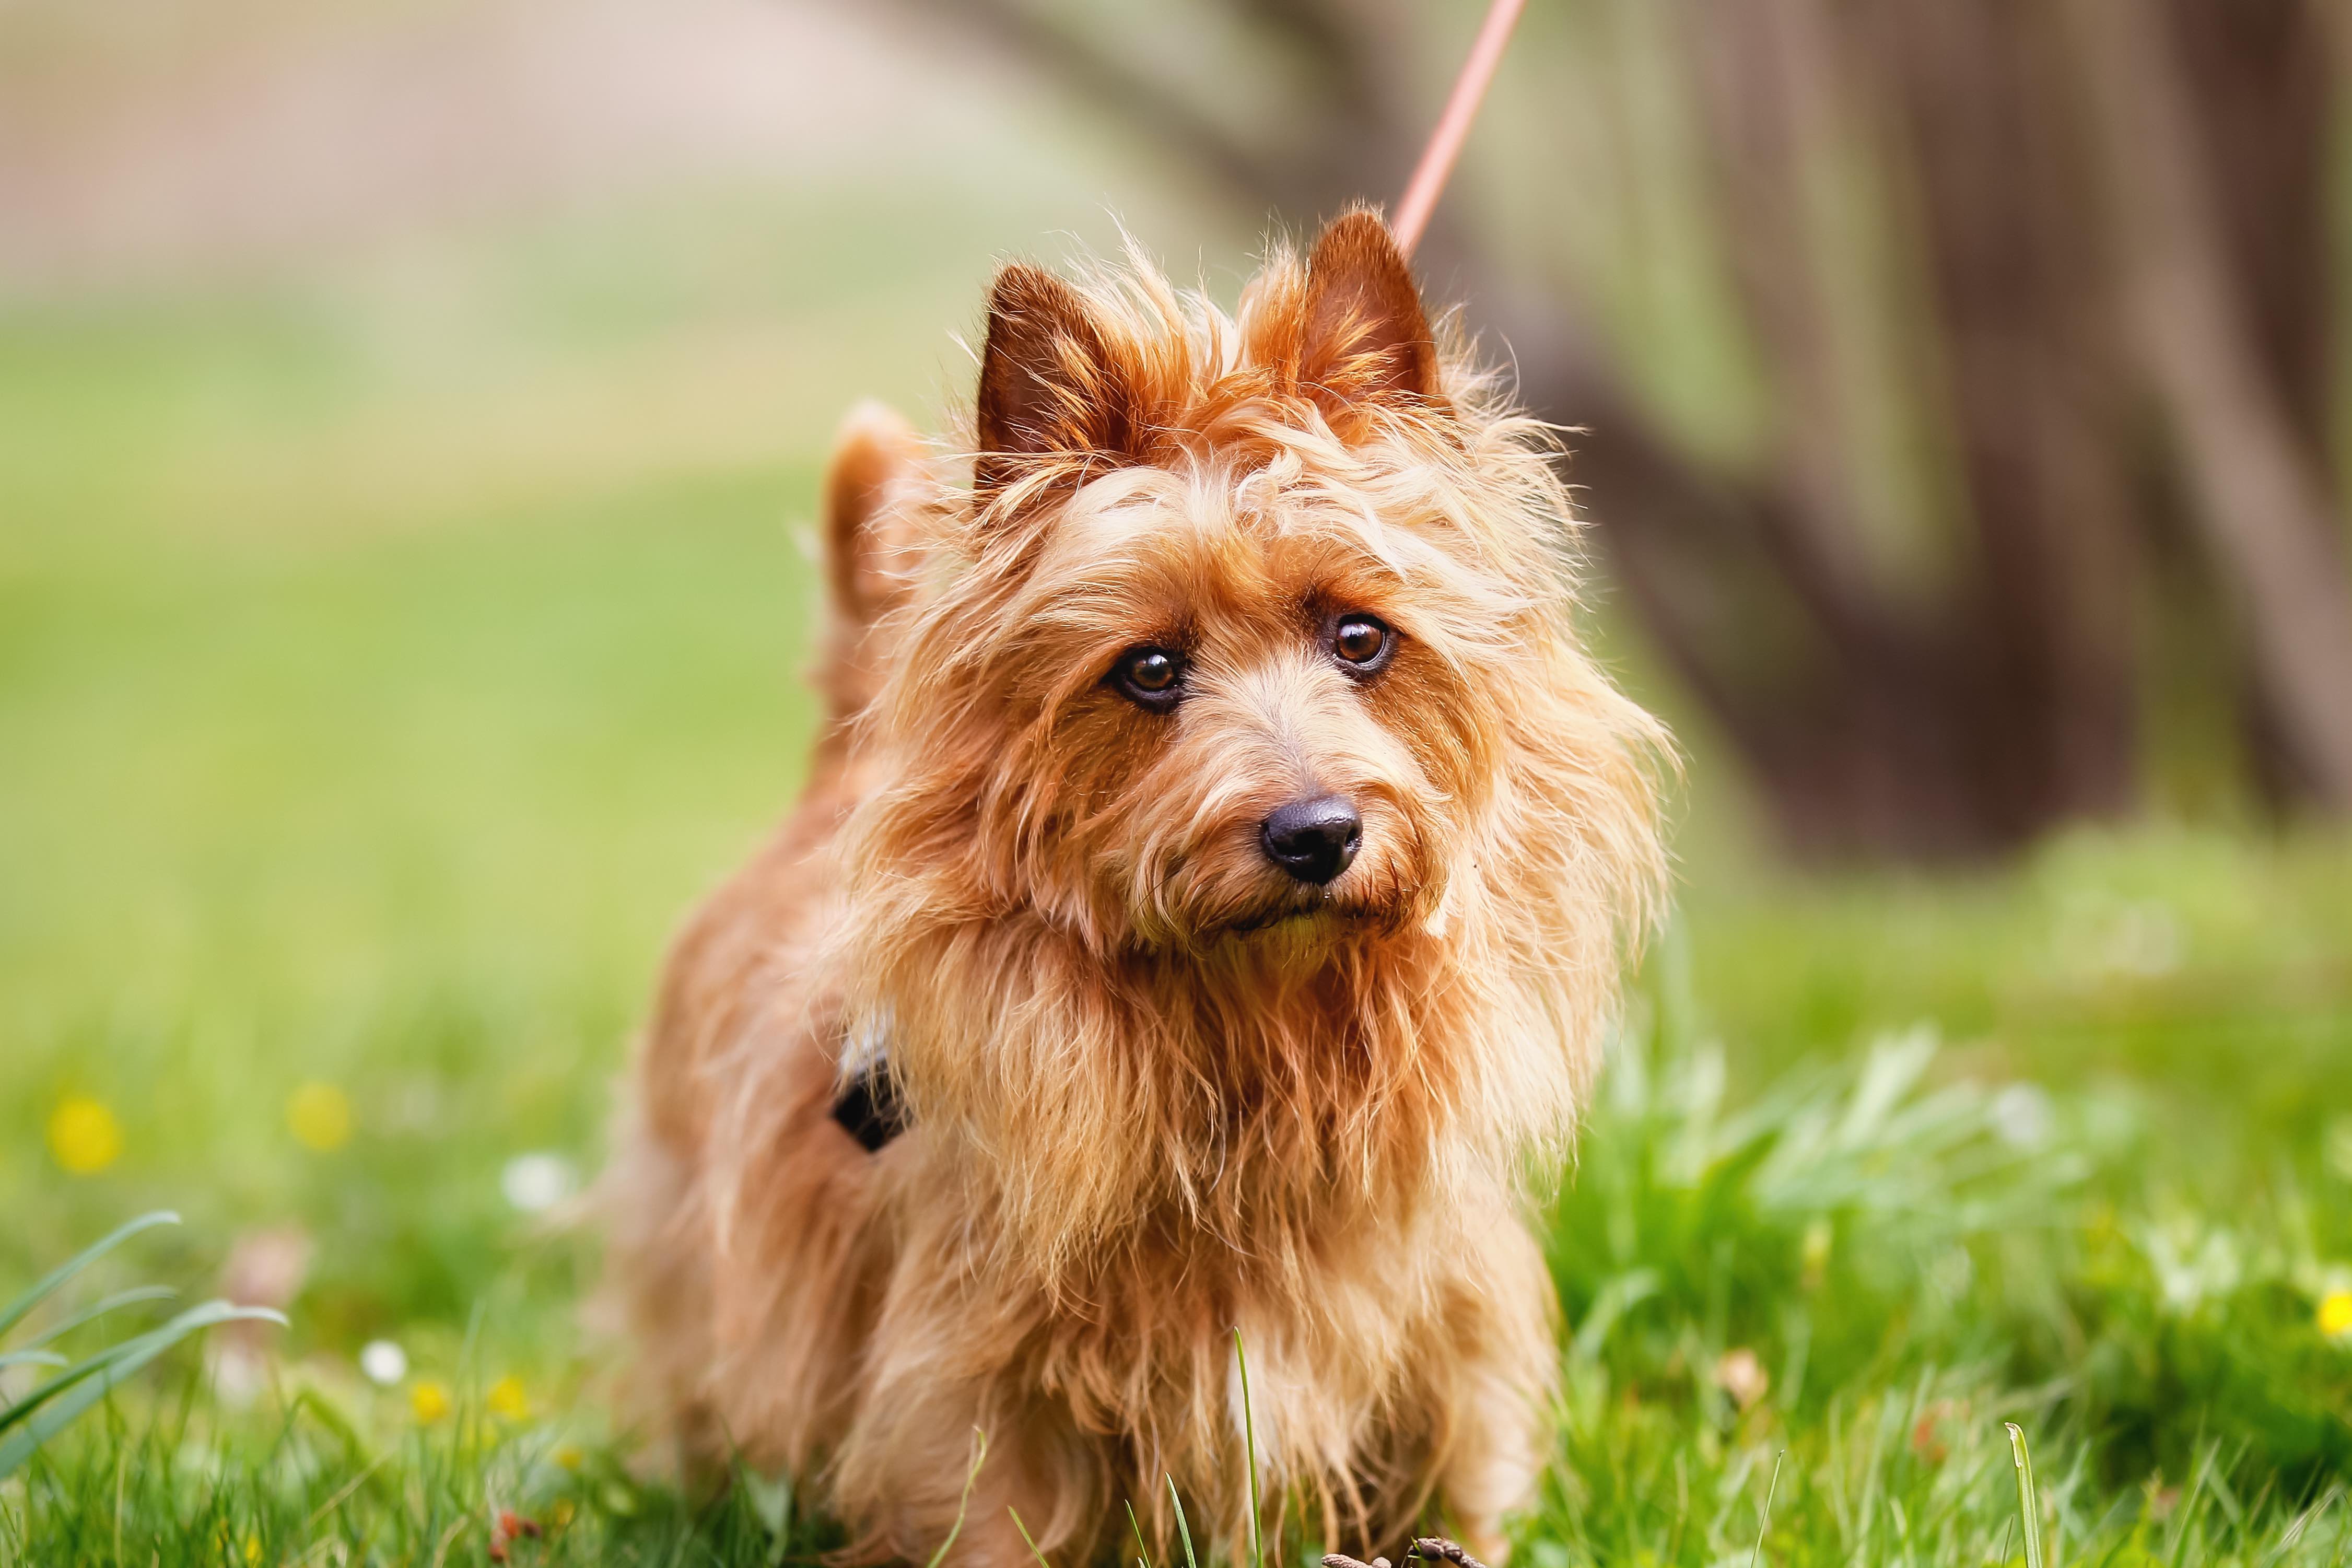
point(1969, 717)
point(2108, 226)
point(2217, 184)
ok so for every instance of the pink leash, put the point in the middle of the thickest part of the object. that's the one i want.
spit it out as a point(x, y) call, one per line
point(1454, 125)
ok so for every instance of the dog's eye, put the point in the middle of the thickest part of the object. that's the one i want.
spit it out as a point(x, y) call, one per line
point(1151, 676)
point(1362, 642)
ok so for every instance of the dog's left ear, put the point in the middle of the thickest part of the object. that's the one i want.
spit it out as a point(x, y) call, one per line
point(1363, 337)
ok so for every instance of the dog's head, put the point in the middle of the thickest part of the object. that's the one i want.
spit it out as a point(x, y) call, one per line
point(1246, 817)
point(1255, 637)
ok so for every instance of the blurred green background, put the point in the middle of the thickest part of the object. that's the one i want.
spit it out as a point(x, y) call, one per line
point(410, 417)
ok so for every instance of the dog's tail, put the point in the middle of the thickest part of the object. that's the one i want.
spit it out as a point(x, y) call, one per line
point(870, 551)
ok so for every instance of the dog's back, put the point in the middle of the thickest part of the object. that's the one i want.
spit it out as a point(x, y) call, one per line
point(742, 1060)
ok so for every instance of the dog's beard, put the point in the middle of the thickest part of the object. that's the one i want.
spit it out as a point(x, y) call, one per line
point(1318, 909)
point(1224, 901)
point(1288, 924)
point(1300, 937)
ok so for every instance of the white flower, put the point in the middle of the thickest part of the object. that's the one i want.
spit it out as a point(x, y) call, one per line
point(2021, 1115)
point(384, 1363)
point(535, 1182)
point(2146, 941)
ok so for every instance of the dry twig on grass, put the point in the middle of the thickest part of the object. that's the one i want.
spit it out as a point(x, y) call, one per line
point(1428, 1548)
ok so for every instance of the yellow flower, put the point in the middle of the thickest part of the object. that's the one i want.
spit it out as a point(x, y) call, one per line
point(508, 1401)
point(569, 1455)
point(253, 1549)
point(1818, 1238)
point(2336, 1314)
point(429, 1400)
point(320, 1116)
point(84, 1135)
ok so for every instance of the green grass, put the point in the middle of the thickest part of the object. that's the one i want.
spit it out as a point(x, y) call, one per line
point(363, 724)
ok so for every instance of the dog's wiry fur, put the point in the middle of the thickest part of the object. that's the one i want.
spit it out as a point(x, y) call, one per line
point(1157, 1089)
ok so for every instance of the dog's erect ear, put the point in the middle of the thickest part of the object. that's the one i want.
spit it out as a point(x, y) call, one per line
point(1364, 336)
point(1049, 388)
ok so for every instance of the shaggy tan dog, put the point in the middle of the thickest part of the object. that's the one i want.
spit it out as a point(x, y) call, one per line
point(1216, 872)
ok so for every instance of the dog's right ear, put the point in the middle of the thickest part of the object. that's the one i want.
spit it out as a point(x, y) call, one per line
point(867, 549)
point(1053, 398)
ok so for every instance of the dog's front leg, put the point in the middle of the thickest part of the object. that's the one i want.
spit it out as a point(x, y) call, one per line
point(949, 1462)
point(1490, 1473)
point(1500, 1368)
point(990, 1538)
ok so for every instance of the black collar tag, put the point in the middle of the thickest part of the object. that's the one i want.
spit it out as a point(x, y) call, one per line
point(868, 1108)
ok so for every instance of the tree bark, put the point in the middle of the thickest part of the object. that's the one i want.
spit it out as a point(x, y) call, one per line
point(2261, 500)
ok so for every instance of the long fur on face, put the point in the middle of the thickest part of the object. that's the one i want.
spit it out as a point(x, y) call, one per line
point(1158, 1088)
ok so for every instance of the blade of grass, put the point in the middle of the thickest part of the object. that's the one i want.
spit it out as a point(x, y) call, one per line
point(2303, 1521)
point(14, 1312)
point(970, 1475)
point(1026, 1539)
point(104, 1360)
point(119, 1300)
point(67, 1397)
point(1249, 1442)
point(308, 1402)
point(2027, 1507)
point(1143, 1552)
point(343, 1493)
point(1184, 1531)
point(121, 1470)
point(1764, 1526)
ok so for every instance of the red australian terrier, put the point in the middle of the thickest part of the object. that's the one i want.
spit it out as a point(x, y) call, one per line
point(1211, 887)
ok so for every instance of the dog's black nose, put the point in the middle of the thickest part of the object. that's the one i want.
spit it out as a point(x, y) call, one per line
point(1313, 839)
